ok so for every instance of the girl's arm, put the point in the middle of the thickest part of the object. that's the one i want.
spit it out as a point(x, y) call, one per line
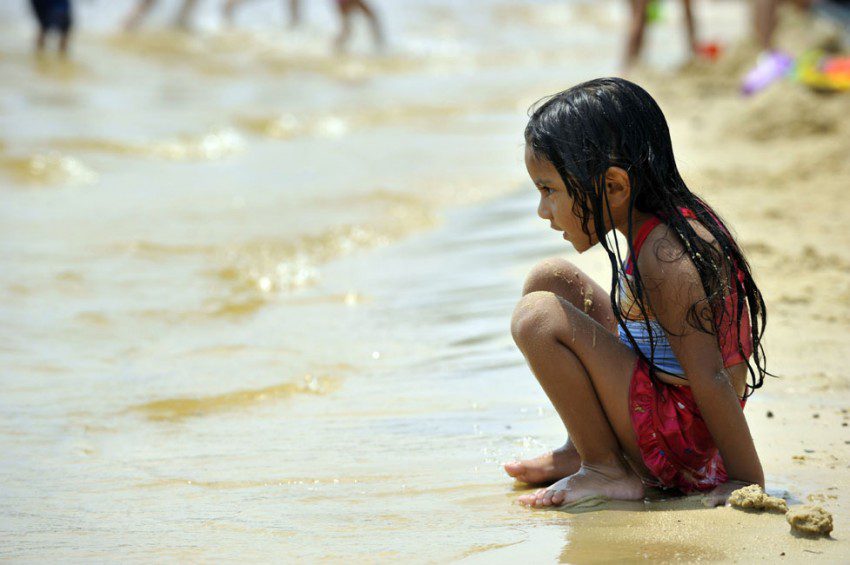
point(672, 287)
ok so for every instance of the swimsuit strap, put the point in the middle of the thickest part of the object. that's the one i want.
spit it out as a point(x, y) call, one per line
point(643, 233)
point(646, 228)
point(650, 225)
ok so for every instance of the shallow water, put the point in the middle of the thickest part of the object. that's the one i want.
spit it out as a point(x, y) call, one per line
point(255, 298)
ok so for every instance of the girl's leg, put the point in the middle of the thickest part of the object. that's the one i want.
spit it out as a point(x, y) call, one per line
point(564, 279)
point(585, 371)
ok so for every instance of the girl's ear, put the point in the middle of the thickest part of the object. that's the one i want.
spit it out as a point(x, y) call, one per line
point(617, 186)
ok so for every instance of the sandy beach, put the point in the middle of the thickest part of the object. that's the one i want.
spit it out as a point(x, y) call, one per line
point(256, 299)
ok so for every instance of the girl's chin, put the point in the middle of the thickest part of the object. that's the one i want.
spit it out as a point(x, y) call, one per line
point(579, 247)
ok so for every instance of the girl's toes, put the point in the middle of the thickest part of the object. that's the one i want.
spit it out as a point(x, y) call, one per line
point(539, 496)
point(558, 498)
point(530, 499)
point(514, 469)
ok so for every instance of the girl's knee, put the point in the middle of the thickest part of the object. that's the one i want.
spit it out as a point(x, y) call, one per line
point(532, 318)
point(548, 274)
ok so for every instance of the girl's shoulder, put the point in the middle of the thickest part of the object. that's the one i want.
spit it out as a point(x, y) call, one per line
point(662, 251)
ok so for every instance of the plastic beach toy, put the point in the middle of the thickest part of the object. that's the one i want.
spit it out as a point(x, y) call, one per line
point(710, 50)
point(770, 67)
point(822, 72)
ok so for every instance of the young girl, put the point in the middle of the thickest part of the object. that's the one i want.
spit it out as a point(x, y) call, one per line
point(650, 379)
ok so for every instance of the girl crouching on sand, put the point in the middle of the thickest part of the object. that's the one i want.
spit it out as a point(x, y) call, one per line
point(650, 379)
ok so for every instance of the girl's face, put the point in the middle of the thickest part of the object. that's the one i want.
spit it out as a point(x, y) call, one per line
point(556, 205)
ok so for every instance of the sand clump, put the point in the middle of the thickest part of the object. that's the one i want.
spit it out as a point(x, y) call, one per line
point(812, 520)
point(753, 497)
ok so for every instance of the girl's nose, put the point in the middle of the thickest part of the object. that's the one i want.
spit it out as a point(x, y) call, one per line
point(543, 210)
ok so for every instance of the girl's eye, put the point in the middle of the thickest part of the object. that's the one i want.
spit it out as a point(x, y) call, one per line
point(546, 190)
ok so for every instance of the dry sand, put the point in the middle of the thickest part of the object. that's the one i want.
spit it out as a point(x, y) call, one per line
point(777, 168)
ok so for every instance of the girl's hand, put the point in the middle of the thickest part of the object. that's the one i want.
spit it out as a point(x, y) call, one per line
point(720, 494)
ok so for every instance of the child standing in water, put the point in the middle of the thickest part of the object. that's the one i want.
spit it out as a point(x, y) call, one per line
point(52, 15)
point(650, 379)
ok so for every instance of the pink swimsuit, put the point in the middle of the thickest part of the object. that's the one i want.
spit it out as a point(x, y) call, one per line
point(673, 439)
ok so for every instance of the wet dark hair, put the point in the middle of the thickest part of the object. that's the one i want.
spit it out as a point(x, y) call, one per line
point(611, 122)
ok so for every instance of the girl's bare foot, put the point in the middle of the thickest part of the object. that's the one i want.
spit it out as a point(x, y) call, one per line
point(611, 482)
point(546, 468)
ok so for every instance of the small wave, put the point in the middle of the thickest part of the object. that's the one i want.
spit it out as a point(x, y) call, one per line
point(47, 169)
point(61, 69)
point(155, 250)
point(336, 124)
point(176, 409)
point(173, 48)
point(260, 270)
point(209, 147)
point(271, 482)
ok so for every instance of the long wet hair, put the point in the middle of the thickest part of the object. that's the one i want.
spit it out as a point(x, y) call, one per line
point(611, 122)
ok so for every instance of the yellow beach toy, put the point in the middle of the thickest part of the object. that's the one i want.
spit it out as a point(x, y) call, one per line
point(823, 72)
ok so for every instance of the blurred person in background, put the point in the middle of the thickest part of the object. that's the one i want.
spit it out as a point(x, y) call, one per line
point(144, 6)
point(346, 10)
point(765, 19)
point(641, 12)
point(53, 15)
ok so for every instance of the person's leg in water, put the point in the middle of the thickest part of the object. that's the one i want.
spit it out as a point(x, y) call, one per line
point(134, 19)
point(64, 39)
point(690, 26)
point(53, 15)
point(637, 30)
point(585, 371)
point(568, 282)
point(229, 9)
point(41, 40)
point(294, 13)
point(346, 10)
point(185, 13)
point(39, 10)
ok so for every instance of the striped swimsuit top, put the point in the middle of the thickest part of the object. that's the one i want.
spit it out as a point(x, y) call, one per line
point(662, 356)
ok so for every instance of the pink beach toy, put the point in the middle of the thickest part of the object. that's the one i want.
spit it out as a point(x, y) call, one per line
point(770, 67)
